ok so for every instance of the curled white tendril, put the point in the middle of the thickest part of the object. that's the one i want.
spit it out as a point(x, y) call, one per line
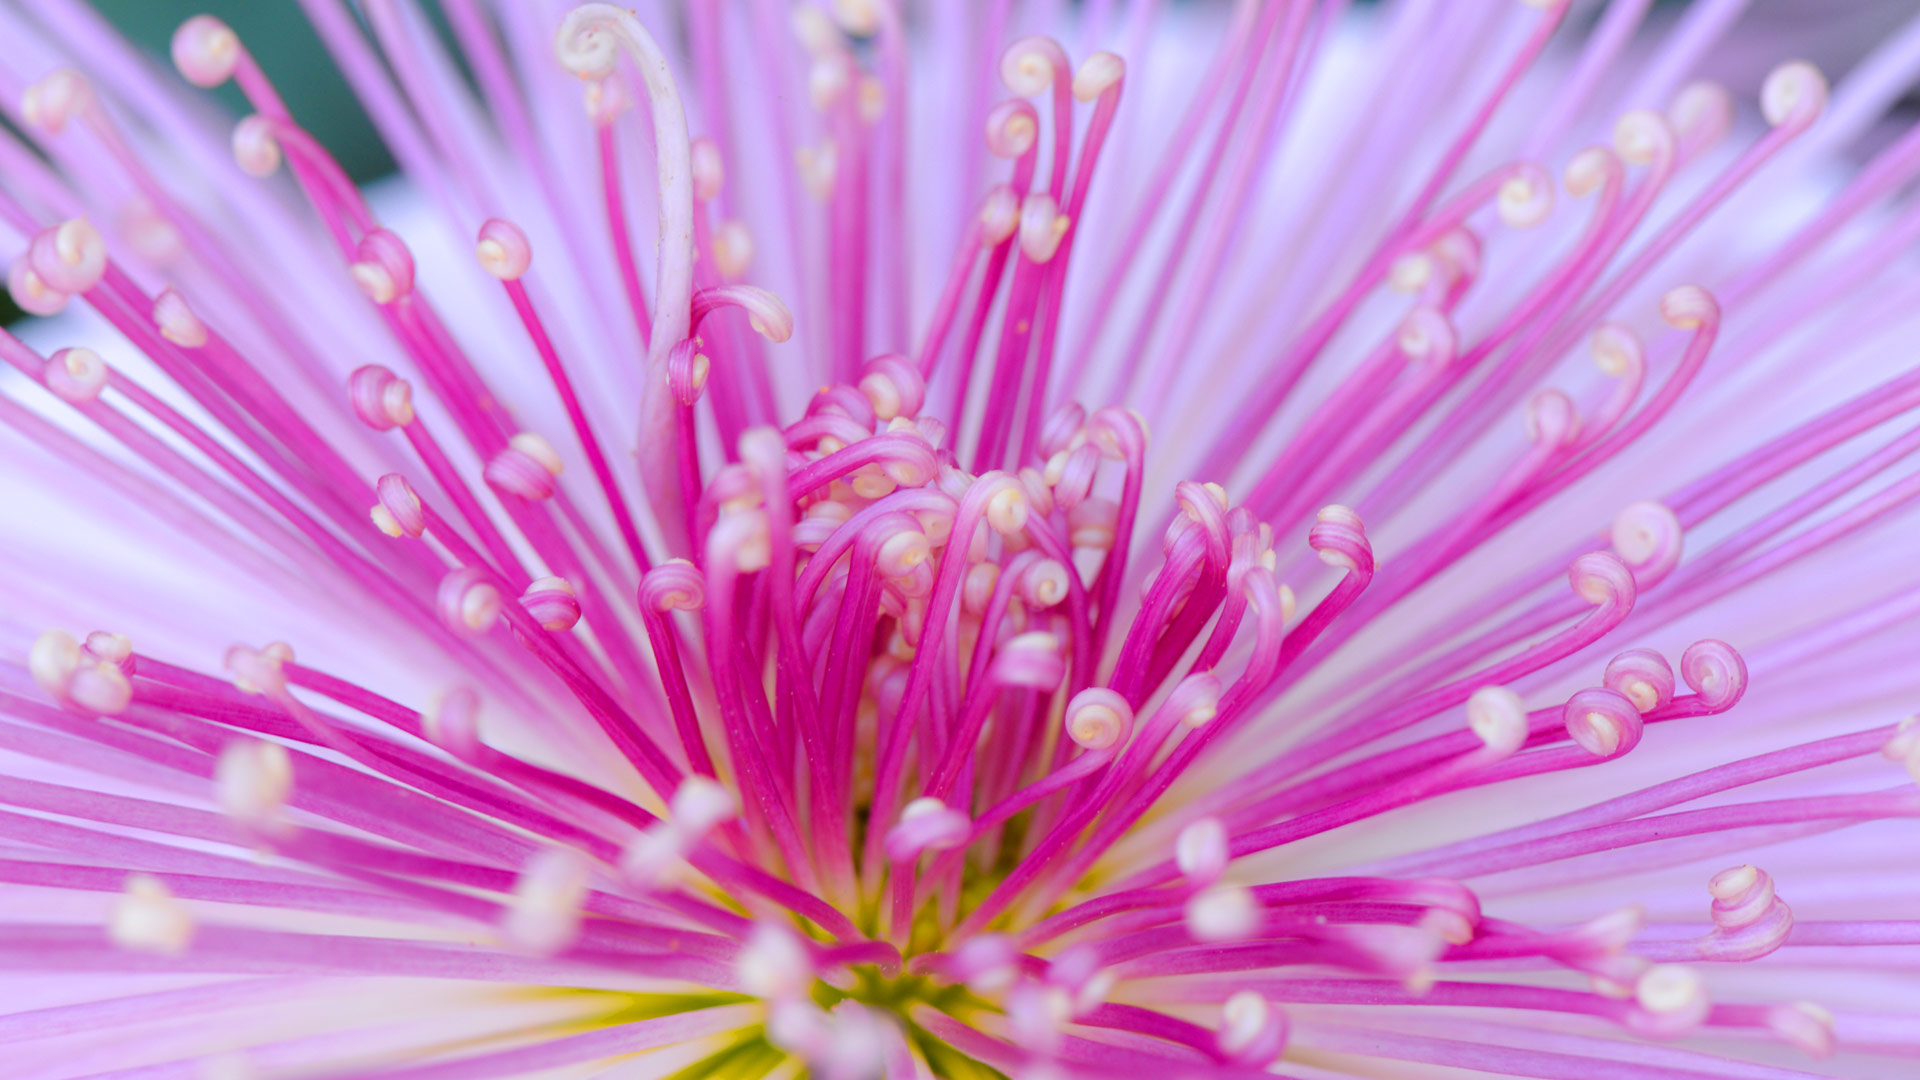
point(589, 45)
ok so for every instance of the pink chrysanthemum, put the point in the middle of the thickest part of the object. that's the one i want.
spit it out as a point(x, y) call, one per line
point(1165, 594)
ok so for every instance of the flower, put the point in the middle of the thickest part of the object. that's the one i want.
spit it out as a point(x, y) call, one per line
point(862, 730)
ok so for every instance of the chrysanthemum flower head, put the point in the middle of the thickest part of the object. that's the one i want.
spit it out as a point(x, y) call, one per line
point(897, 540)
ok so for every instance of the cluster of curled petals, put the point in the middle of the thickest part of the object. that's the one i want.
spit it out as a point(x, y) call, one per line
point(901, 543)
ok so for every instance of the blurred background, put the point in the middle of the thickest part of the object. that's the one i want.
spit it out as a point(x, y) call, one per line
point(279, 36)
point(1831, 33)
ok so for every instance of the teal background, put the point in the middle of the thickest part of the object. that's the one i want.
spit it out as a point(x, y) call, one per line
point(278, 35)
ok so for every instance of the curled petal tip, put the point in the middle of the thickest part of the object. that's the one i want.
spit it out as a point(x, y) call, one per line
point(1689, 307)
point(205, 51)
point(1499, 717)
point(1793, 93)
point(503, 250)
point(1030, 65)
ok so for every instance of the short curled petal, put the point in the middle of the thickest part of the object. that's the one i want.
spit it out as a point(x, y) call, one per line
point(708, 170)
point(70, 257)
point(732, 248)
point(380, 399)
point(468, 604)
point(52, 102)
point(503, 250)
point(1617, 349)
point(1012, 128)
point(1042, 226)
point(1031, 64)
point(177, 321)
point(1643, 137)
point(1098, 718)
point(1552, 419)
point(1702, 114)
point(1603, 722)
point(1499, 717)
point(1097, 73)
point(1794, 94)
point(927, 824)
point(205, 51)
point(1643, 677)
point(1200, 851)
point(398, 513)
point(551, 602)
point(1119, 434)
point(255, 146)
point(1062, 428)
point(999, 215)
point(1648, 537)
point(1427, 336)
point(1526, 198)
point(1716, 671)
point(1599, 577)
point(687, 371)
point(1689, 307)
point(527, 467)
point(1045, 583)
point(903, 552)
point(1252, 1031)
point(1671, 999)
point(1196, 700)
point(1032, 660)
point(1590, 170)
point(893, 386)
point(453, 722)
point(383, 267)
point(1092, 523)
point(1805, 1025)
point(1339, 539)
point(1073, 473)
point(766, 313)
point(76, 375)
point(33, 295)
point(252, 779)
point(673, 585)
